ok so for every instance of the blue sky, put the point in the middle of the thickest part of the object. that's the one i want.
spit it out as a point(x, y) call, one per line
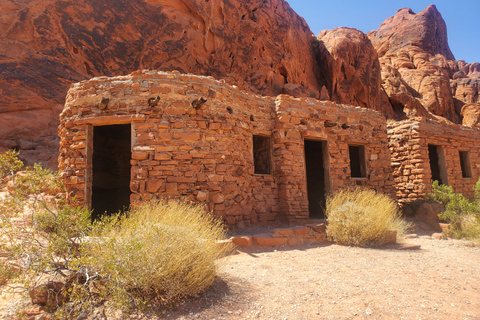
point(461, 16)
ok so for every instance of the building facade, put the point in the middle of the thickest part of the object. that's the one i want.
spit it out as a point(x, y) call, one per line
point(250, 159)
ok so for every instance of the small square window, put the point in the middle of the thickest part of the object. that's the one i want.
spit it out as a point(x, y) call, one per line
point(465, 164)
point(357, 161)
point(261, 155)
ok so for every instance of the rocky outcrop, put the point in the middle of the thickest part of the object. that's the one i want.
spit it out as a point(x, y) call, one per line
point(351, 69)
point(413, 52)
point(45, 45)
point(420, 74)
point(403, 69)
point(471, 115)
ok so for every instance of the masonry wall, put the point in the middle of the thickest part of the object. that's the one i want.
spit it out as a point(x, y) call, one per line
point(204, 152)
point(408, 142)
point(338, 125)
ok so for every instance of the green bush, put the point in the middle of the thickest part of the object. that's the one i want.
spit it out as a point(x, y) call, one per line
point(9, 163)
point(462, 214)
point(363, 217)
point(161, 250)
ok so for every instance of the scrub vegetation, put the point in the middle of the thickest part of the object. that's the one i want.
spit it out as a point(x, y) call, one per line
point(158, 252)
point(363, 217)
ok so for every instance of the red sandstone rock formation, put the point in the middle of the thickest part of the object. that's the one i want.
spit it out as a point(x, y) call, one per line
point(419, 72)
point(261, 46)
point(351, 69)
point(45, 45)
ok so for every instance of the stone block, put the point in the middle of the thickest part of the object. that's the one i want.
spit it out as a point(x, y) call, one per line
point(201, 196)
point(282, 232)
point(428, 214)
point(320, 227)
point(300, 231)
point(153, 185)
point(265, 239)
point(217, 197)
point(295, 241)
point(243, 241)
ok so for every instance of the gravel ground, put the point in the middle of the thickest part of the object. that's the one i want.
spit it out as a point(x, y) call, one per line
point(441, 280)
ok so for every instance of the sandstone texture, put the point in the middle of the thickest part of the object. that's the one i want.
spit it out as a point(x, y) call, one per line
point(45, 45)
point(404, 69)
point(412, 143)
point(420, 74)
point(351, 69)
point(207, 153)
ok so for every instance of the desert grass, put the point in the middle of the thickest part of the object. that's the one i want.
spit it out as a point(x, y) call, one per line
point(160, 250)
point(363, 217)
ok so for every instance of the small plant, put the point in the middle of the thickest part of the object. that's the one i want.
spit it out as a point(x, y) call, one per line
point(462, 215)
point(363, 217)
point(9, 163)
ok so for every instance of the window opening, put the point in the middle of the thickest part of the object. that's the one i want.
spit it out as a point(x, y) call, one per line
point(437, 164)
point(465, 164)
point(357, 161)
point(261, 155)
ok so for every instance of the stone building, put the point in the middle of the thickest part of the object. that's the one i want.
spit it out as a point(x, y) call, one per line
point(423, 151)
point(251, 159)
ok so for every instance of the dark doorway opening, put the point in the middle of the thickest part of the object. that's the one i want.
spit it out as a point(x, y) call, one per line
point(315, 170)
point(111, 169)
point(437, 163)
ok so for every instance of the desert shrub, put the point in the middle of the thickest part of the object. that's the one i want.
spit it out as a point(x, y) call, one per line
point(9, 163)
point(362, 217)
point(462, 214)
point(157, 252)
point(41, 234)
point(161, 250)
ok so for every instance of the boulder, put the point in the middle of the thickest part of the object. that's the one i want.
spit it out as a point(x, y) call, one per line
point(428, 213)
point(48, 292)
point(243, 241)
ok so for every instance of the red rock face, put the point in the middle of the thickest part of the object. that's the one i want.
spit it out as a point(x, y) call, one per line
point(406, 69)
point(421, 77)
point(351, 69)
point(45, 45)
point(425, 30)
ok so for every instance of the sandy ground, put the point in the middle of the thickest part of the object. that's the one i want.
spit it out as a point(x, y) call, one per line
point(439, 281)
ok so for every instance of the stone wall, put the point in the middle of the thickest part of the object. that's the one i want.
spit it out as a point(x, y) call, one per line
point(192, 137)
point(409, 141)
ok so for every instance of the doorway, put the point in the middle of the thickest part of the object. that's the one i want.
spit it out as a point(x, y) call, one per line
point(111, 169)
point(437, 164)
point(316, 177)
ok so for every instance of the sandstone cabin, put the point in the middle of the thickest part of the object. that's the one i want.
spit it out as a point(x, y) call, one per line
point(251, 159)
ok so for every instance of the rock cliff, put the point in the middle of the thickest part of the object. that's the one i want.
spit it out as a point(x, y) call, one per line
point(351, 69)
point(419, 72)
point(403, 69)
point(45, 45)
